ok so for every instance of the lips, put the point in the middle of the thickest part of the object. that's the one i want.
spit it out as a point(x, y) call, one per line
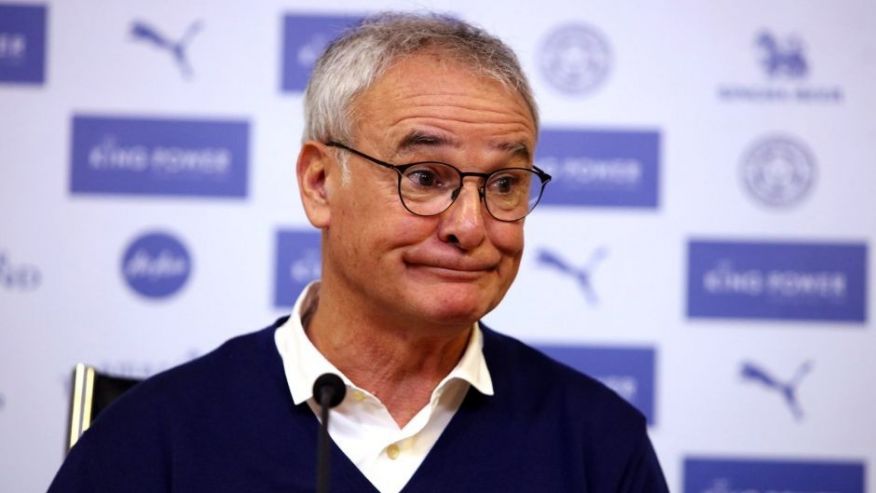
point(454, 272)
point(462, 269)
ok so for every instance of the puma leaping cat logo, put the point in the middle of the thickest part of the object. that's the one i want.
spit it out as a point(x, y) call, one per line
point(144, 32)
point(582, 275)
point(788, 390)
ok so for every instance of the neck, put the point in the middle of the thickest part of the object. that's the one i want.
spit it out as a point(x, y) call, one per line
point(401, 363)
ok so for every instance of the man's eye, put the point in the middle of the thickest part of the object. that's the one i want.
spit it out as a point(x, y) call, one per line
point(431, 175)
point(503, 184)
point(423, 178)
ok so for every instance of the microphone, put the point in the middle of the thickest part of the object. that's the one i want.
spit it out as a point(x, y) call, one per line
point(328, 391)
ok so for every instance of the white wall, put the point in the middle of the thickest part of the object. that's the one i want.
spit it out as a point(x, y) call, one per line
point(675, 70)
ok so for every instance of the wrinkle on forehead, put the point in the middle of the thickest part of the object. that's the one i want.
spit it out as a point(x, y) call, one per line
point(475, 99)
point(500, 123)
point(418, 138)
point(432, 87)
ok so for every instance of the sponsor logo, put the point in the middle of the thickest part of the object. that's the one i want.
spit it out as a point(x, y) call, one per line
point(22, 43)
point(144, 32)
point(18, 277)
point(299, 262)
point(140, 156)
point(788, 390)
point(600, 168)
point(627, 371)
point(782, 58)
point(778, 171)
point(785, 281)
point(581, 275)
point(785, 66)
point(575, 59)
point(305, 37)
point(156, 265)
point(710, 475)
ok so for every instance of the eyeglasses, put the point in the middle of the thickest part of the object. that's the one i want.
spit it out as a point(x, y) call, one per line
point(428, 188)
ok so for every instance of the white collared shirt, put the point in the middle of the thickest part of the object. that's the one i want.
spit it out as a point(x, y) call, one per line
point(361, 426)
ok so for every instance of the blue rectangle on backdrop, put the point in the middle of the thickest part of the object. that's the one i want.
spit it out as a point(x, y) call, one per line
point(299, 261)
point(305, 37)
point(627, 371)
point(22, 43)
point(784, 281)
point(142, 156)
point(600, 168)
point(708, 475)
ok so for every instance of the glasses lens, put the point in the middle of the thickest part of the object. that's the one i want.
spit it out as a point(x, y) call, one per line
point(427, 188)
point(512, 193)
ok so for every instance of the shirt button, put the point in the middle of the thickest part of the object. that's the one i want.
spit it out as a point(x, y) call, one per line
point(392, 451)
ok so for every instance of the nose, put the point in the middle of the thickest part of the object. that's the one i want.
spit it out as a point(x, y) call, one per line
point(462, 224)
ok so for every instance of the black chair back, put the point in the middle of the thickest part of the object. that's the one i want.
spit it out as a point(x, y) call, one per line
point(93, 392)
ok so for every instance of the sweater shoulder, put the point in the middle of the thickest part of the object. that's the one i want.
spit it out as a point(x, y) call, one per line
point(234, 359)
point(238, 366)
point(187, 418)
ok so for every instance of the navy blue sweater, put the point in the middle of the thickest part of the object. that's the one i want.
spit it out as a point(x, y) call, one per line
point(226, 422)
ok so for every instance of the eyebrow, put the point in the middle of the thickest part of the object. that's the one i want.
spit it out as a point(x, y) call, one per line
point(516, 149)
point(419, 138)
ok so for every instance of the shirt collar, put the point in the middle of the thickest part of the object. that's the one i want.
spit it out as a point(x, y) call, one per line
point(472, 367)
point(303, 363)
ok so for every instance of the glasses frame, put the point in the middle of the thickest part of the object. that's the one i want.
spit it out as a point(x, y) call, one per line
point(401, 168)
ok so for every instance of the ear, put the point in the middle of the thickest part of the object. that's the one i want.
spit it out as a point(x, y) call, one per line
point(312, 170)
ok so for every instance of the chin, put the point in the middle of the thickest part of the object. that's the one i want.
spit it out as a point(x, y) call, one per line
point(458, 311)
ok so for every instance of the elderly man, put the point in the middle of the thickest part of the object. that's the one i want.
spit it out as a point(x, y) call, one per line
point(417, 167)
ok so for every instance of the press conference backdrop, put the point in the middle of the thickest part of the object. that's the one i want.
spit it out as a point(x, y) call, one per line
point(704, 248)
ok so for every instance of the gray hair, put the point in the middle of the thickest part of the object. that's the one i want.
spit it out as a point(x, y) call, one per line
point(355, 60)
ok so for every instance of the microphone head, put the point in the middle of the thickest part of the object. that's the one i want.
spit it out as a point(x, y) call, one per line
point(329, 390)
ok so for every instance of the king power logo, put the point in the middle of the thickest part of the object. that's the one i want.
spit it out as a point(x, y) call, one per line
point(720, 475)
point(785, 67)
point(600, 168)
point(629, 371)
point(150, 156)
point(22, 44)
point(581, 275)
point(177, 48)
point(777, 281)
point(787, 389)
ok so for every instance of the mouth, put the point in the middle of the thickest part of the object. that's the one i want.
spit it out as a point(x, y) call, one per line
point(452, 273)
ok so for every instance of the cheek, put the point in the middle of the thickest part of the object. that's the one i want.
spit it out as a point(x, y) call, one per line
point(365, 207)
point(400, 231)
point(385, 229)
point(507, 238)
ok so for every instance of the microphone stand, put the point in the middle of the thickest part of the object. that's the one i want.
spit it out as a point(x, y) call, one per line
point(329, 391)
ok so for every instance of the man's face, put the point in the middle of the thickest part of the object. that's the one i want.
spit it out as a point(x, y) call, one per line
point(448, 269)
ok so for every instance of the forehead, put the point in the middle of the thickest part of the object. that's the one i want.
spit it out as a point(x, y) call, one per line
point(436, 90)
